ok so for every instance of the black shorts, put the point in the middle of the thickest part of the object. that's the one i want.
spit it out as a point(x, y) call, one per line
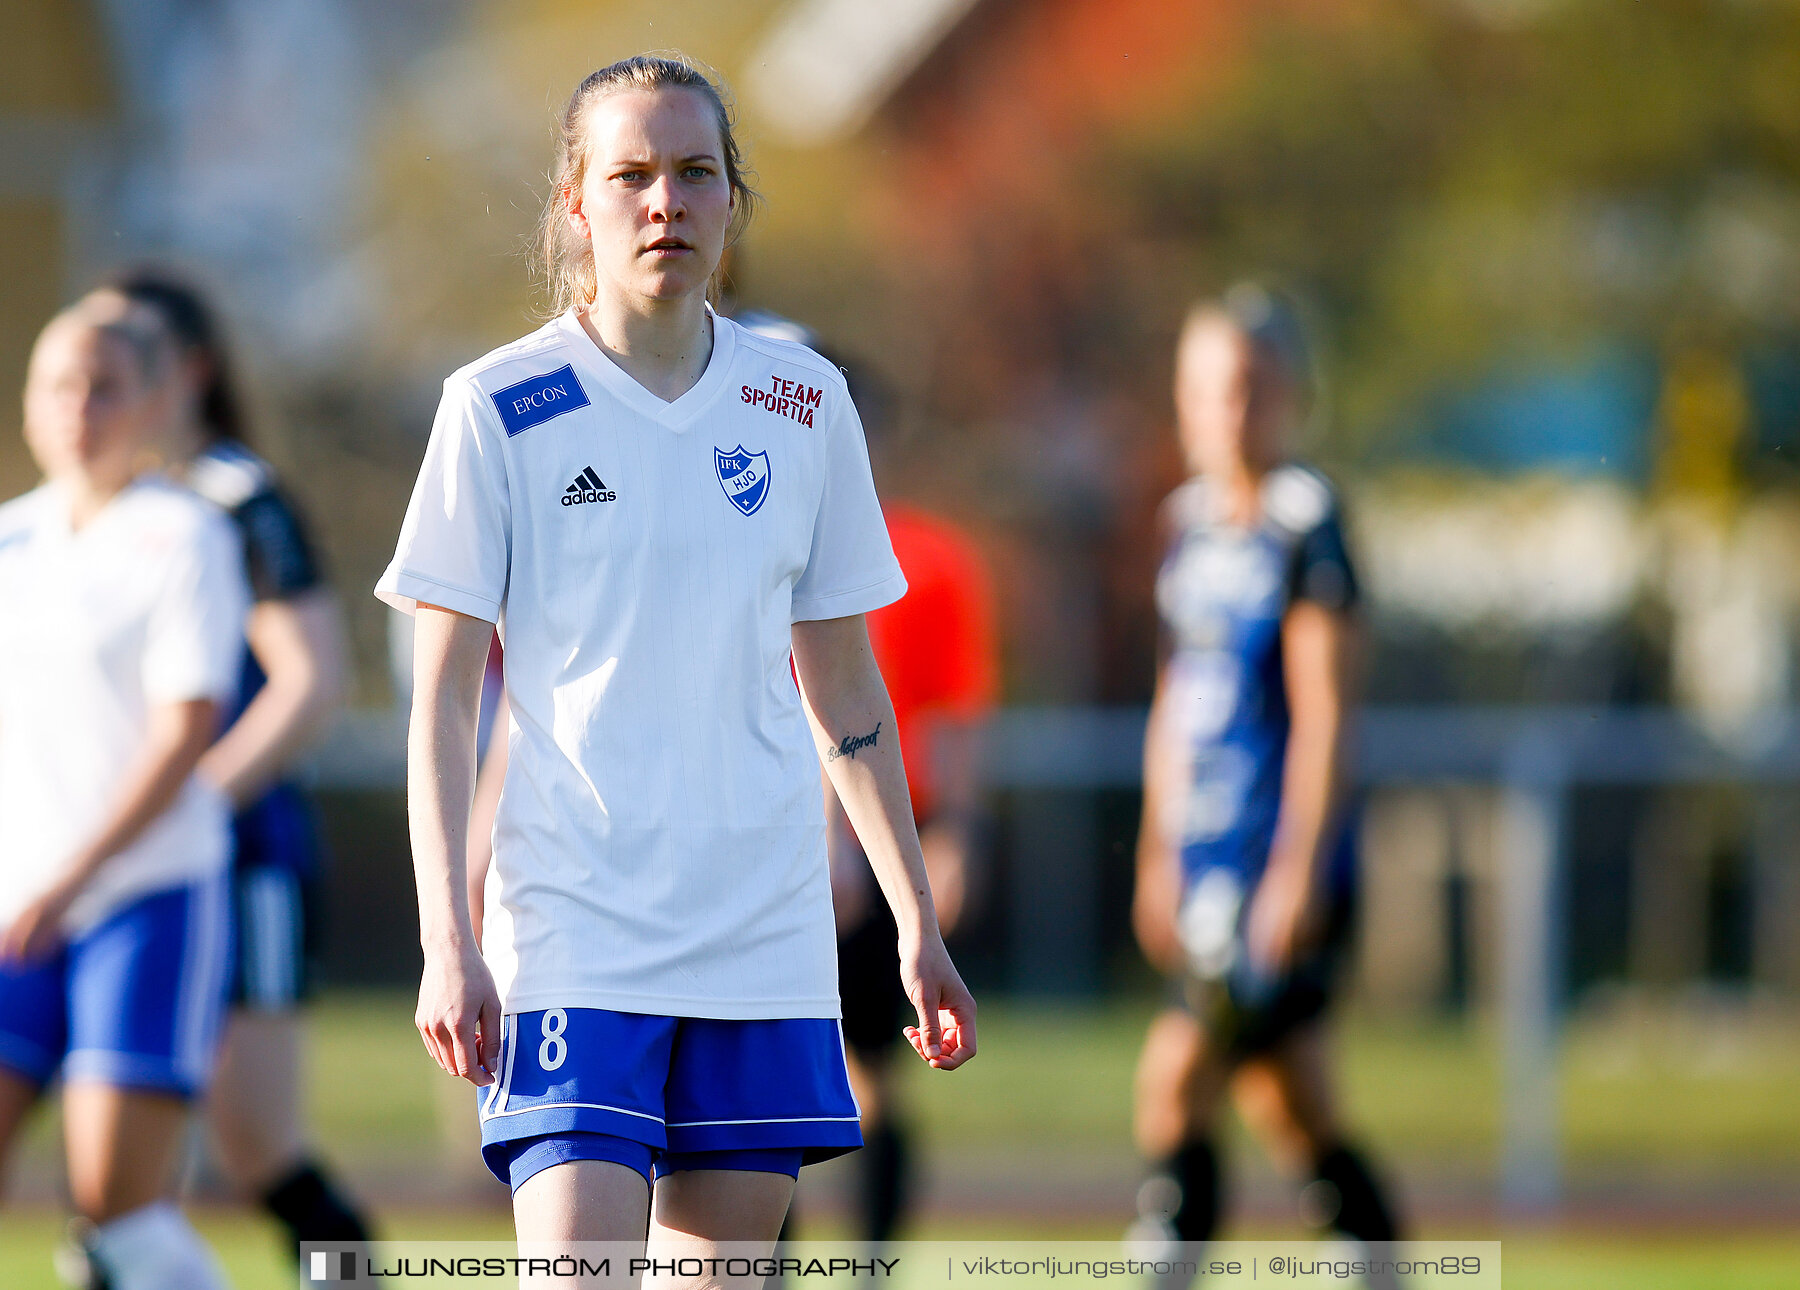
point(1251, 1017)
point(875, 1007)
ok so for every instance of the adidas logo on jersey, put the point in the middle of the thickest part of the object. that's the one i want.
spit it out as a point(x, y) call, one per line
point(588, 487)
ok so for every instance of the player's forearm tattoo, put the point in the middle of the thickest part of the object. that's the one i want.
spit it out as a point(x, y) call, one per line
point(850, 745)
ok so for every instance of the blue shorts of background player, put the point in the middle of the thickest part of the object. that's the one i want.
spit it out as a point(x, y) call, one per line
point(663, 1094)
point(276, 899)
point(134, 1002)
point(1248, 1011)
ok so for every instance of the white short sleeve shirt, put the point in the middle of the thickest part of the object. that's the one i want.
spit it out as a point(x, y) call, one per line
point(659, 844)
point(143, 605)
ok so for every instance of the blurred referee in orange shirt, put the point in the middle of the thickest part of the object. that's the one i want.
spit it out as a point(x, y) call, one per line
point(937, 652)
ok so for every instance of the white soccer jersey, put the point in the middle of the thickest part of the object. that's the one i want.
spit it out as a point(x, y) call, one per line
point(659, 844)
point(143, 605)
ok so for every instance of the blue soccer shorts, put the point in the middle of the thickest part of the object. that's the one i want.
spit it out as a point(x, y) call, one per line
point(135, 1001)
point(668, 1092)
point(277, 895)
point(525, 1157)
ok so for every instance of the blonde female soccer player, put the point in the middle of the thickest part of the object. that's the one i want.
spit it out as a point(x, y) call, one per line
point(670, 519)
point(1246, 860)
point(122, 632)
point(292, 677)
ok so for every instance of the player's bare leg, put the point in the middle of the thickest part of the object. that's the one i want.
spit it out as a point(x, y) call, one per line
point(1285, 1098)
point(695, 1210)
point(254, 1102)
point(583, 1200)
point(122, 1147)
point(1181, 1082)
point(1179, 1085)
point(254, 1108)
point(17, 1096)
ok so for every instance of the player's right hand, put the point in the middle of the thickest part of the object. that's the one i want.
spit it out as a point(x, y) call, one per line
point(459, 1015)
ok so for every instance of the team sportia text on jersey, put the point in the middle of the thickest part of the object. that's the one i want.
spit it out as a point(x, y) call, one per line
point(786, 398)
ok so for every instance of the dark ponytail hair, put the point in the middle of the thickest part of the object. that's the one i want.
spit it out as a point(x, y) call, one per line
point(193, 326)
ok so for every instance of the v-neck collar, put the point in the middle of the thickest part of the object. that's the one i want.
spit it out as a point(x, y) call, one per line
point(676, 414)
point(61, 509)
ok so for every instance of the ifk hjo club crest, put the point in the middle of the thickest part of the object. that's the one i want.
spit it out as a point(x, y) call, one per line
point(744, 476)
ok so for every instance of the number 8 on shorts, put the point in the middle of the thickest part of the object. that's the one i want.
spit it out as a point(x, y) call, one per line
point(555, 1049)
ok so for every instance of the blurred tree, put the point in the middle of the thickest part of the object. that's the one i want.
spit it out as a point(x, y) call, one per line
point(1451, 189)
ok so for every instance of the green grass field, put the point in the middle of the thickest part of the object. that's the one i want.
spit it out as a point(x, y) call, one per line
point(1032, 1141)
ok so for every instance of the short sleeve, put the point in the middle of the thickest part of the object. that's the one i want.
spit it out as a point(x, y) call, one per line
point(278, 555)
point(1321, 571)
point(194, 640)
point(456, 541)
point(851, 567)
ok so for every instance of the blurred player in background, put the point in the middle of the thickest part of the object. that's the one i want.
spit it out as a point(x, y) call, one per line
point(292, 679)
point(937, 652)
point(1246, 864)
point(664, 513)
point(121, 635)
